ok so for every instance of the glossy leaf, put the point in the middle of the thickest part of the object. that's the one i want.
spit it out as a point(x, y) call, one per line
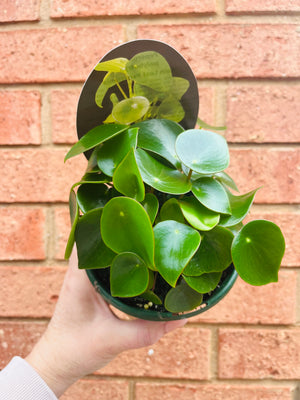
point(171, 108)
point(110, 80)
point(114, 150)
point(149, 295)
point(257, 251)
point(198, 215)
point(160, 177)
point(214, 253)
point(130, 110)
point(114, 65)
point(150, 204)
point(212, 195)
point(182, 298)
point(91, 250)
point(224, 178)
point(151, 69)
point(171, 210)
point(74, 216)
point(204, 283)
point(127, 178)
point(175, 245)
point(159, 136)
point(90, 196)
point(95, 136)
point(202, 151)
point(129, 275)
point(126, 227)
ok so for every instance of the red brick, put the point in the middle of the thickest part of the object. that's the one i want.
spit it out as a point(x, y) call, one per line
point(248, 304)
point(18, 338)
point(259, 353)
point(54, 54)
point(19, 10)
point(86, 8)
point(32, 175)
point(158, 391)
point(273, 169)
point(97, 389)
point(62, 230)
point(20, 117)
point(257, 6)
point(29, 291)
point(227, 50)
point(206, 104)
point(188, 358)
point(64, 108)
point(22, 232)
point(263, 114)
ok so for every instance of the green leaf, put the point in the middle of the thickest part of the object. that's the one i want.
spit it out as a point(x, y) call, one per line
point(197, 215)
point(179, 87)
point(202, 151)
point(150, 204)
point(130, 110)
point(204, 283)
point(127, 178)
point(110, 80)
point(212, 195)
point(151, 296)
point(90, 196)
point(94, 137)
point(240, 206)
point(159, 176)
point(175, 245)
point(159, 136)
point(126, 227)
point(129, 275)
point(170, 210)
point(214, 254)
point(92, 178)
point(152, 95)
point(226, 180)
point(113, 151)
point(257, 251)
point(182, 298)
point(151, 69)
point(204, 125)
point(171, 108)
point(115, 65)
point(74, 216)
point(91, 250)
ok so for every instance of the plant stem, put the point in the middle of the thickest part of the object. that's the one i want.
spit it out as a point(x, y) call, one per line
point(189, 175)
point(121, 90)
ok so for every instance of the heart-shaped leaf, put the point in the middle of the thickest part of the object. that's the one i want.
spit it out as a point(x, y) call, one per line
point(90, 196)
point(159, 136)
point(204, 283)
point(151, 69)
point(197, 215)
point(240, 206)
point(175, 245)
point(257, 251)
point(152, 95)
point(130, 110)
point(110, 80)
point(202, 151)
point(159, 176)
point(182, 298)
point(171, 108)
point(91, 250)
point(113, 151)
point(127, 178)
point(114, 65)
point(170, 210)
point(74, 216)
point(94, 137)
point(212, 195)
point(129, 275)
point(150, 204)
point(214, 254)
point(179, 87)
point(126, 227)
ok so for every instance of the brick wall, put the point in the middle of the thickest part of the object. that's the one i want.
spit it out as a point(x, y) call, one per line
point(246, 55)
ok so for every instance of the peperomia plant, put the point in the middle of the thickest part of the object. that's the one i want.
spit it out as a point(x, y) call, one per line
point(155, 206)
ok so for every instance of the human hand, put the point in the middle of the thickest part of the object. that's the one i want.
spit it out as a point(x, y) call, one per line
point(84, 335)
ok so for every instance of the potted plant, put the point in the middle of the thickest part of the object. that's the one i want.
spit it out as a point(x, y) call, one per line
point(157, 222)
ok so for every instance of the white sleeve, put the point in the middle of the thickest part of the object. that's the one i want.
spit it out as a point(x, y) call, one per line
point(19, 381)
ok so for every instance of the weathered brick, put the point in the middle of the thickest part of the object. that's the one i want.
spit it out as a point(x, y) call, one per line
point(259, 353)
point(263, 114)
point(226, 50)
point(158, 391)
point(54, 54)
point(32, 175)
point(85, 8)
point(20, 117)
point(273, 169)
point(29, 291)
point(206, 104)
point(18, 338)
point(87, 389)
point(62, 230)
point(64, 107)
point(19, 10)
point(248, 304)
point(188, 358)
point(22, 232)
point(260, 6)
